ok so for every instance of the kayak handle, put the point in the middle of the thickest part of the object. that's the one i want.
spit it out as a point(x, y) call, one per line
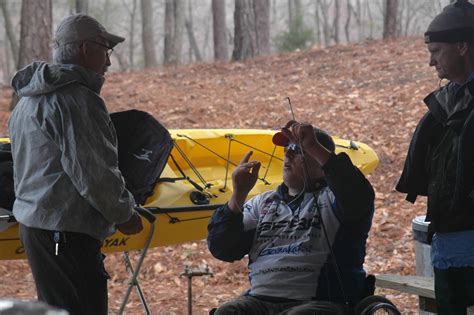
point(145, 213)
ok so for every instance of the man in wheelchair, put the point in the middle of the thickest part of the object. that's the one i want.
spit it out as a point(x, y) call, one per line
point(305, 240)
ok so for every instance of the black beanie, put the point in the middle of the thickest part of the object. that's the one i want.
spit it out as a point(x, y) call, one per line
point(325, 139)
point(454, 24)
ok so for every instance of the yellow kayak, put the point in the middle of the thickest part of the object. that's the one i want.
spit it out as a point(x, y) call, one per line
point(196, 180)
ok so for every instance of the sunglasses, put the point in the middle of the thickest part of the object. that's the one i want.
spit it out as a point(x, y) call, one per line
point(109, 50)
point(293, 148)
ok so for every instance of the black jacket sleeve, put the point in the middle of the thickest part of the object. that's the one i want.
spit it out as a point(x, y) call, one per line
point(353, 192)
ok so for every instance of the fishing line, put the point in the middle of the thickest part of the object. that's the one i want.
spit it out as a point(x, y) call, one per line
point(291, 108)
point(318, 211)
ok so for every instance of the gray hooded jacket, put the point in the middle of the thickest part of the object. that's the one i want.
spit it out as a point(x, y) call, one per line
point(64, 149)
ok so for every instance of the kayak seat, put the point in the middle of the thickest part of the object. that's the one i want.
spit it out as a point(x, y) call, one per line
point(144, 146)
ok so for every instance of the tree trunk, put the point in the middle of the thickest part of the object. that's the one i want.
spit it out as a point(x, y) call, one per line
point(295, 11)
point(7, 64)
point(192, 39)
point(274, 17)
point(9, 31)
point(131, 34)
point(317, 24)
point(358, 18)
point(347, 26)
point(291, 13)
point(179, 17)
point(35, 35)
point(106, 9)
point(411, 11)
point(82, 6)
point(147, 34)
point(390, 19)
point(219, 29)
point(251, 28)
point(335, 24)
point(371, 20)
point(298, 9)
point(262, 25)
point(244, 34)
point(169, 25)
point(326, 27)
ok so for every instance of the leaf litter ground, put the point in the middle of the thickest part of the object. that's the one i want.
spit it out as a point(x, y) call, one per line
point(370, 92)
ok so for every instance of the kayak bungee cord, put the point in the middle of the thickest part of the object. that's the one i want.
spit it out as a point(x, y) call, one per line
point(269, 163)
point(191, 165)
point(223, 189)
point(223, 158)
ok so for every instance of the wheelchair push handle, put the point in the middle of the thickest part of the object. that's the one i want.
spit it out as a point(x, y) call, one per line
point(145, 213)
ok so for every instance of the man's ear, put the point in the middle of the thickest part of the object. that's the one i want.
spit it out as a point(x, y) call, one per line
point(463, 48)
point(84, 53)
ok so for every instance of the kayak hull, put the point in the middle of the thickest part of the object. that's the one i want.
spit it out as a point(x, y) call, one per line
point(203, 159)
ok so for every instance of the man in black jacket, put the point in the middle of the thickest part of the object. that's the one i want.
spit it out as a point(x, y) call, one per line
point(440, 161)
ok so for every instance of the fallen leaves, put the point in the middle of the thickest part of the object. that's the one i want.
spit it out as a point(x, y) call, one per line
point(371, 92)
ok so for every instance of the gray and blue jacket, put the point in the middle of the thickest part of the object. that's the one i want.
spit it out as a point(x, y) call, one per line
point(64, 149)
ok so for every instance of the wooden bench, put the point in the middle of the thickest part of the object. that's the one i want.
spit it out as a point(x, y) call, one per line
point(418, 285)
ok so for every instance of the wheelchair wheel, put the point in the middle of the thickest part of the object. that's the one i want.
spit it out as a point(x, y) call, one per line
point(376, 305)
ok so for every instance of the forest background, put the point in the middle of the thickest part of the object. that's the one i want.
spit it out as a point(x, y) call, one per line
point(357, 68)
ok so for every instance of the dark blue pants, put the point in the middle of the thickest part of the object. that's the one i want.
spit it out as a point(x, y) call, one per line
point(246, 304)
point(454, 290)
point(75, 279)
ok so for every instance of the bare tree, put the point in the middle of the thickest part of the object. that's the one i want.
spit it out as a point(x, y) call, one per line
point(294, 10)
point(409, 11)
point(261, 10)
point(82, 6)
point(317, 24)
point(324, 10)
point(390, 19)
point(244, 36)
point(174, 30)
point(194, 49)
point(347, 26)
point(251, 28)
point(132, 12)
point(147, 34)
point(291, 10)
point(179, 11)
point(7, 63)
point(335, 23)
point(169, 26)
point(35, 35)
point(357, 13)
point(371, 19)
point(9, 30)
point(219, 30)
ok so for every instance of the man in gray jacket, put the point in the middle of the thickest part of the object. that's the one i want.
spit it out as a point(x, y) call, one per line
point(70, 194)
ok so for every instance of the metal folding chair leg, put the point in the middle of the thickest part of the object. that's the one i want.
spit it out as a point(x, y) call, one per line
point(134, 273)
point(136, 284)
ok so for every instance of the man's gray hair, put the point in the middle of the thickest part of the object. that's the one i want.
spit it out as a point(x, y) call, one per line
point(68, 53)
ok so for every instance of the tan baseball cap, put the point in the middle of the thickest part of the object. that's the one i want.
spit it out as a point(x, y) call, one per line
point(79, 27)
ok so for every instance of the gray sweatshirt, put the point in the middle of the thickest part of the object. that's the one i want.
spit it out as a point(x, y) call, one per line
point(64, 149)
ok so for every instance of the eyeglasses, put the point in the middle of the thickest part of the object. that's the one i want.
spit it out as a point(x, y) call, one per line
point(109, 50)
point(293, 148)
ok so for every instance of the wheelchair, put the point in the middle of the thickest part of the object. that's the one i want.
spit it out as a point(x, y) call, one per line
point(374, 304)
point(370, 305)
